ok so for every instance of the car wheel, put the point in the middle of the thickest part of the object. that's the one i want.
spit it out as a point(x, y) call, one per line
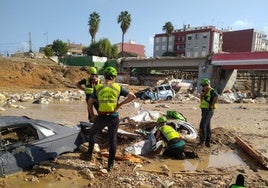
point(169, 98)
point(192, 133)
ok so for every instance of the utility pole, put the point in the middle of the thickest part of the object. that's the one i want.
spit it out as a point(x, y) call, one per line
point(30, 42)
point(46, 34)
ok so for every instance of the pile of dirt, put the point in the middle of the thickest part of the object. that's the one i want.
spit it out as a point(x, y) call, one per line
point(20, 74)
point(26, 74)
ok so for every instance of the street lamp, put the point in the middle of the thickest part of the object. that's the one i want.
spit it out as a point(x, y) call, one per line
point(46, 34)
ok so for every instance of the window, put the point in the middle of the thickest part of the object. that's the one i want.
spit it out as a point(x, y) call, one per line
point(205, 36)
point(189, 37)
point(167, 87)
point(180, 47)
point(161, 88)
point(46, 132)
point(22, 133)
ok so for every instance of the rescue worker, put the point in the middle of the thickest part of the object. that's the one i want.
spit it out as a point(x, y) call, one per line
point(87, 85)
point(175, 144)
point(107, 95)
point(239, 183)
point(208, 98)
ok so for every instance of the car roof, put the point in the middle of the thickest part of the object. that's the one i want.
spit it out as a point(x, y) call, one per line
point(22, 120)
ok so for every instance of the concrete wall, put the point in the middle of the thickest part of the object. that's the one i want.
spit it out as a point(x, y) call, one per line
point(221, 80)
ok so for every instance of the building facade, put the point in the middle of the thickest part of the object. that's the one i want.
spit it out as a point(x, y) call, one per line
point(247, 40)
point(189, 42)
point(75, 49)
point(132, 49)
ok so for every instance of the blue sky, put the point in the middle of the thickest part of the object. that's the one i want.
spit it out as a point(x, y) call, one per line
point(50, 20)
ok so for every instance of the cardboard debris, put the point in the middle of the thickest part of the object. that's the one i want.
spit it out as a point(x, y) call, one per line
point(125, 157)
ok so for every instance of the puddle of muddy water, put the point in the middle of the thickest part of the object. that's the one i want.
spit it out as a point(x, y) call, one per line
point(19, 181)
point(226, 158)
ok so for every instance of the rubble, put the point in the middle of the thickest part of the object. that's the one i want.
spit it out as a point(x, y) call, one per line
point(128, 170)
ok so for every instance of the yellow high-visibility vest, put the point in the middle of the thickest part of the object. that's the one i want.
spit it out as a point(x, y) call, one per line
point(205, 101)
point(90, 88)
point(108, 95)
point(169, 132)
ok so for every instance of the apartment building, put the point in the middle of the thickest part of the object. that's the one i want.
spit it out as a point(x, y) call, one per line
point(75, 49)
point(248, 40)
point(189, 42)
point(132, 49)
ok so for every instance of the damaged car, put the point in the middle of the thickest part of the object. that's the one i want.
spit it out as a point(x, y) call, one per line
point(25, 142)
point(161, 92)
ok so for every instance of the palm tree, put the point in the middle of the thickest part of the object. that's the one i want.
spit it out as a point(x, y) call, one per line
point(168, 28)
point(125, 20)
point(93, 22)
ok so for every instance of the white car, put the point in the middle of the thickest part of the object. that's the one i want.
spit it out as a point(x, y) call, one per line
point(161, 92)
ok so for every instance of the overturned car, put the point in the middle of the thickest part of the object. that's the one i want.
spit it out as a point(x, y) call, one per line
point(25, 142)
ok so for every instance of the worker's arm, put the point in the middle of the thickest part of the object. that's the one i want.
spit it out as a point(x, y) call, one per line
point(80, 86)
point(130, 97)
point(90, 109)
point(214, 99)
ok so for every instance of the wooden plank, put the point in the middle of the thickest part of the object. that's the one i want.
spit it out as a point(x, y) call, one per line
point(252, 152)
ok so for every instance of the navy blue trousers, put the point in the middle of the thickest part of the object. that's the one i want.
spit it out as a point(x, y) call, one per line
point(205, 125)
point(112, 122)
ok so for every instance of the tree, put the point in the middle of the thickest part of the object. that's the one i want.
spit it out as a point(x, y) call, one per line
point(48, 51)
point(125, 20)
point(102, 48)
point(168, 28)
point(114, 54)
point(93, 22)
point(60, 48)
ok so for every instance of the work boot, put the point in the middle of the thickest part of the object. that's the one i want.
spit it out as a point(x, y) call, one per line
point(86, 157)
point(110, 164)
point(110, 167)
point(191, 155)
point(181, 156)
point(207, 144)
point(200, 144)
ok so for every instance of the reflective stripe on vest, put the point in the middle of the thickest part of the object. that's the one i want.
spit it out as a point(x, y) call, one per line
point(90, 87)
point(169, 132)
point(107, 96)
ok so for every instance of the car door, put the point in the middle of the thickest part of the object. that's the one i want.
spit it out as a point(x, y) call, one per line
point(41, 147)
point(15, 158)
point(162, 92)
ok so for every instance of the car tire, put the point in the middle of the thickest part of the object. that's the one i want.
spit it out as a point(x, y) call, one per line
point(169, 98)
point(192, 132)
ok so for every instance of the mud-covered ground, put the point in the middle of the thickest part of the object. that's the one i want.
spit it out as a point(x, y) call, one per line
point(249, 121)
